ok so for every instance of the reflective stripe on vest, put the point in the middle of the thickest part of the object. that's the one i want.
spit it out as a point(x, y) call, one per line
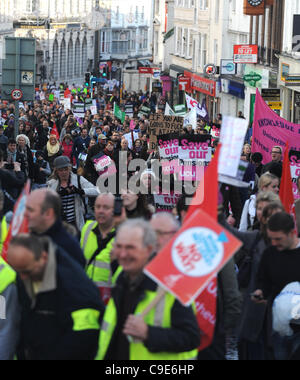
point(3, 232)
point(160, 316)
point(7, 276)
point(91, 226)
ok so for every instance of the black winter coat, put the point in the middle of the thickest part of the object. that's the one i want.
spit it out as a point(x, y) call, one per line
point(47, 328)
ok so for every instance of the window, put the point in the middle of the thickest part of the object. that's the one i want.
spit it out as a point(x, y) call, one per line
point(120, 42)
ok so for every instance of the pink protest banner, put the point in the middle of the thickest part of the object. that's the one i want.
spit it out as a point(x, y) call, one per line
point(295, 171)
point(270, 130)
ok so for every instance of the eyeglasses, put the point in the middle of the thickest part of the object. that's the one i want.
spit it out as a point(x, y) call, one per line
point(165, 233)
point(276, 152)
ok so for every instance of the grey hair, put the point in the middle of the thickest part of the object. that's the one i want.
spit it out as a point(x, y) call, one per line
point(267, 196)
point(170, 217)
point(149, 235)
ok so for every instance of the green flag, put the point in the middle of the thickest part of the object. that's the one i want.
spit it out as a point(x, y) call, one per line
point(119, 114)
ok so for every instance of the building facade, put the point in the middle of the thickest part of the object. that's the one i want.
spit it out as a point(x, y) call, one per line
point(205, 34)
point(289, 62)
point(6, 26)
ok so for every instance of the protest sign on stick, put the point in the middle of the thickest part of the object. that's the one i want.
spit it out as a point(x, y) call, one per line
point(19, 223)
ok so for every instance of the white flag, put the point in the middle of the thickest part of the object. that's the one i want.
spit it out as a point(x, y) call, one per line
point(169, 111)
point(193, 104)
point(191, 119)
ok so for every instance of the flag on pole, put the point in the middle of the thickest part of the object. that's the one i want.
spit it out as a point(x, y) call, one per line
point(54, 131)
point(191, 119)
point(286, 188)
point(19, 223)
point(119, 113)
point(206, 198)
point(169, 111)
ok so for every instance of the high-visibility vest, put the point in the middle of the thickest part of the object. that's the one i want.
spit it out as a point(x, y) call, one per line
point(7, 275)
point(160, 316)
point(99, 271)
point(3, 232)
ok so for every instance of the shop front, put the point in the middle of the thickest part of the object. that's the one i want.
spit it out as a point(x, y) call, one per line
point(289, 82)
point(203, 88)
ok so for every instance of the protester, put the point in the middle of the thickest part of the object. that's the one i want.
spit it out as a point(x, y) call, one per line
point(72, 189)
point(12, 180)
point(279, 267)
point(23, 147)
point(60, 308)
point(52, 150)
point(41, 171)
point(97, 238)
point(251, 328)
point(9, 304)
point(275, 166)
point(43, 212)
point(267, 182)
point(172, 335)
point(3, 139)
point(165, 226)
point(136, 205)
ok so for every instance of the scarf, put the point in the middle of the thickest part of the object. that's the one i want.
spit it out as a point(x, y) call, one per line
point(53, 149)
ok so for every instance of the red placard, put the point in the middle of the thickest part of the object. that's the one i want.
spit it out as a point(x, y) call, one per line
point(193, 258)
point(245, 54)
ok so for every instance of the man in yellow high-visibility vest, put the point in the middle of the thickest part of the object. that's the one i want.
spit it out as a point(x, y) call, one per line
point(168, 332)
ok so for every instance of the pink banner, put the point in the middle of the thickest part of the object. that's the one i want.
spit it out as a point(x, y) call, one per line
point(270, 130)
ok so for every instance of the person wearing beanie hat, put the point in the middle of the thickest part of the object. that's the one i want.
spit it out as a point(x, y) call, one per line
point(72, 189)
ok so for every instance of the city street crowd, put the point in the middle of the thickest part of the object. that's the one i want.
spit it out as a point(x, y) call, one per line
point(74, 286)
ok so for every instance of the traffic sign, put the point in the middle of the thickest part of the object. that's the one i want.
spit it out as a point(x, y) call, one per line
point(17, 94)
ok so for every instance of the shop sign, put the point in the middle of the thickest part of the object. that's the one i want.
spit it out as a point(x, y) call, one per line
point(203, 85)
point(184, 84)
point(252, 78)
point(292, 80)
point(228, 67)
point(271, 94)
point(275, 105)
point(245, 54)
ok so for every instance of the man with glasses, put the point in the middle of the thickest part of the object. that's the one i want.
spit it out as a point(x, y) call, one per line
point(166, 226)
point(275, 166)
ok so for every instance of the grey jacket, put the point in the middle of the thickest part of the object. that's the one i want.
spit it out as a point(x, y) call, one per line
point(10, 327)
point(90, 191)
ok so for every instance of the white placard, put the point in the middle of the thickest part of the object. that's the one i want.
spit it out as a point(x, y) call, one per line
point(128, 137)
point(233, 133)
point(191, 119)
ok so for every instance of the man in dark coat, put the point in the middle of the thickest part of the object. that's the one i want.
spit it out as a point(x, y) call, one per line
point(61, 309)
point(43, 211)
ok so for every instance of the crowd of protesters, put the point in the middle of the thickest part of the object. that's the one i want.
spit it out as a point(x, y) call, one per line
point(74, 287)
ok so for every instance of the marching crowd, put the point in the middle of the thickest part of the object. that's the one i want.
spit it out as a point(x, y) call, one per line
point(74, 286)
